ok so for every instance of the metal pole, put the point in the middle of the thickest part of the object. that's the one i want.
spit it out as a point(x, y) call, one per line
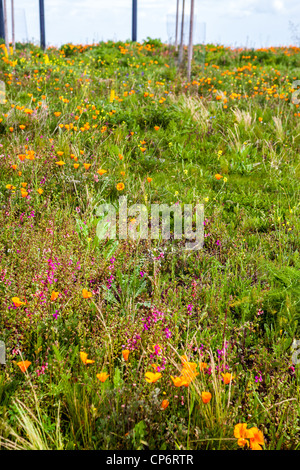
point(176, 28)
point(42, 24)
point(13, 24)
point(134, 20)
point(2, 30)
point(182, 30)
point(190, 54)
point(5, 26)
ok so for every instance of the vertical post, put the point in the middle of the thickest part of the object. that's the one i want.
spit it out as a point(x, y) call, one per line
point(42, 25)
point(2, 30)
point(13, 25)
point(176, 27)
point(182, 30)
point(5, 26)
point(190, 53)
point(134, 20)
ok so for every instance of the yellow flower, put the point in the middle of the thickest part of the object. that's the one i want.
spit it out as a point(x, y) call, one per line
point(22, 127)
point(256, 439)
point(86, 165)
point(76, 165)
point(40, 191)
point(60, 163)
point(102, 376)
point(60, 153)
point(120, 186)
point(86, 294)
point(85, 360)
point(152, 377)
point(17, 302)
point(227, 378)
point(101, 172)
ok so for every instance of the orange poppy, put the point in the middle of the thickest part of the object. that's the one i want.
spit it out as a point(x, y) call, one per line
point(23, 365)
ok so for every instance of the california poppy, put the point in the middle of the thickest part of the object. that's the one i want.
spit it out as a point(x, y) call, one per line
point(86, 294)
point(125, 353)
point(120, 186)
point(206, 397)
point(85, 360)
point(102, 376)
point(152, 377)
point(23, 365)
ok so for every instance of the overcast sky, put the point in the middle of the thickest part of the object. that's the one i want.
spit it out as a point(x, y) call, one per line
point(252, 23)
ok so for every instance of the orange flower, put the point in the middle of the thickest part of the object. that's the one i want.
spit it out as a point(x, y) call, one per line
point(86, 294)
point(54, 295)
point(14, 167)
point(23, 365)
point(24, 193)
point(202, 366)
point(86, 165)
point(57, 113)
point(143, 149)
point(149, 180)
point(242, 434)
point(11, 129)
point(164, 404)
point(28, 111)
point(227, 378)
point(102, 376)
point(21, 157)
point(85, 360)
point(152, 377)
point(125, 354)
point(120, 186)
point(156, 128)
point(60, 163)
point(17, 302)
point(121, 156)
point(76, 165)
point(22, 127)
point(24, 185)
point(101, 172)
point(206, 397)
point(60, 153)
point(218, 177)
point(179, 381)
point(257, 440)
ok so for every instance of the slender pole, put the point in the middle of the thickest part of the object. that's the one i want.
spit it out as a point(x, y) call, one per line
point(2, 29)
point(182, 30)
point(134, 20)
point(42, 25)
point(13, 24)
point(176, 27)
point(190, 53)
point(5, 26)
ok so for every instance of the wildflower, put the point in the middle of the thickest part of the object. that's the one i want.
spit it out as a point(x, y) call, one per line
point(14, 167)
point(149, 180)
point(85, 360)
point(218, 177)
point(10, 186)
point(242, 434)
point(86, 294)
point(101, 172)
point(152, 377)
point(24, 193)
point(11, 129)
point(57, 113)
point(206, 397)
point(202, 366)
point(28, 111)
point(86, 165)
point(179, 381)
point(60, 163)
point(22, 127)
point(143, 149)
point(76, 165)
point(257, 439)
point(120, 186)
point(23, 185)
point(54, 295)
point(121, 156)
point(102, 376)
point(17, 302)
point(23, 365)
point(40, 191)
point(60, 153)
point(227, 378)
point(164, 404)
point(156, 128)
point(125, 354)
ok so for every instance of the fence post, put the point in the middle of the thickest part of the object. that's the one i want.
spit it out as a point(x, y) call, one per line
point(190, 53)
point(42, 25)
point(181, 39)
point(134, 20)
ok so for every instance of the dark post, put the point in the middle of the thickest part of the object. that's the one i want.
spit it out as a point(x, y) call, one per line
point(134, 20)
point(42, 24)
point(2, 31)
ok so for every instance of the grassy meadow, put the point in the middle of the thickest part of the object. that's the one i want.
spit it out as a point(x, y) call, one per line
point(124, 344)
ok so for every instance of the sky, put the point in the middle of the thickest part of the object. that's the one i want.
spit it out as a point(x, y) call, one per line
point(235, 23)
